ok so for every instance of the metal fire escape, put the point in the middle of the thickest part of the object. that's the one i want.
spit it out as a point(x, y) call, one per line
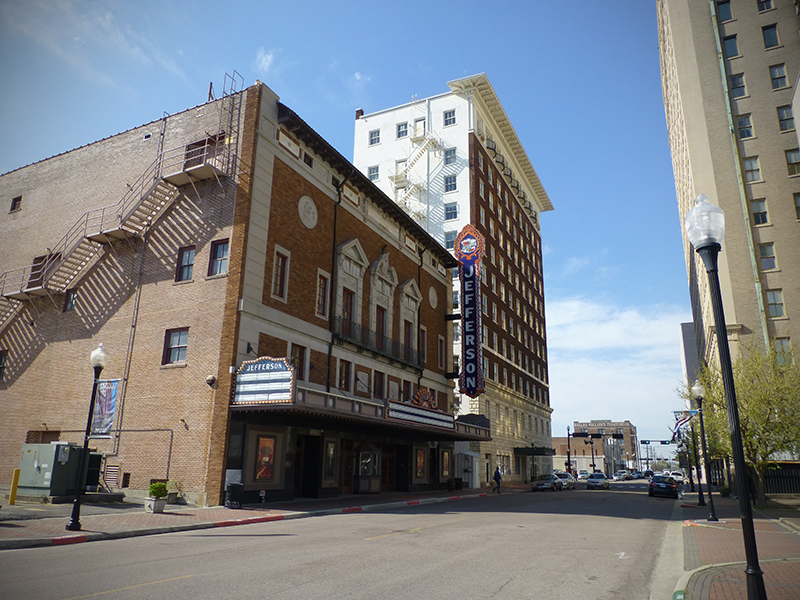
point(407, 187)
point(142, 205)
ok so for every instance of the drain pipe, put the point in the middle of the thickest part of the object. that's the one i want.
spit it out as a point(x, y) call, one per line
point(740, 181)
point(334, 277)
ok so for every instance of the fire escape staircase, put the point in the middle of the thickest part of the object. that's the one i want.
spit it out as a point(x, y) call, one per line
point(403, 181)
point(142, 204)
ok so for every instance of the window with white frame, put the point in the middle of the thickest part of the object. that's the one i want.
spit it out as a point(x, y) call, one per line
point(785, 118)
point(449, 118)
point(374, 137)
point(402, 130)
point(766, 255)
point(372, 173)
point(777, 74)
point(793, 161)
point(450, 239)
point(745, 126)
point(736, 86)
point(783, 350)
point(450, 183)
point(752, 170)
point(775, 303)
point(759, 209)
point(450, 211)
point(450, 156)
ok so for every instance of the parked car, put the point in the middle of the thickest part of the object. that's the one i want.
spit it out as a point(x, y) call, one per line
point(567, 480)
point(621, 476)
point(597, 481)
point(648, 473)
point(677, 476)
point(546, 482)
point(583, 475)
point(661, 485)
point(637, 475)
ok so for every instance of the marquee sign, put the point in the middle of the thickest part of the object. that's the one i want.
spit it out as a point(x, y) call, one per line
point(469, 252)
point(264, 381)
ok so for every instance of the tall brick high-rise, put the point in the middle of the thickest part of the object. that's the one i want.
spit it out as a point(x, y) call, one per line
point(454, 159)
point(729, 73)
point(194, 248)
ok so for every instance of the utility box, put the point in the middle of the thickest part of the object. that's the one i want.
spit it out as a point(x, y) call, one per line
point(52, 469)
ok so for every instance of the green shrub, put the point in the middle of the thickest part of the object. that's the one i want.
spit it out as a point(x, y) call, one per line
point(724, 491)
point(158, 490)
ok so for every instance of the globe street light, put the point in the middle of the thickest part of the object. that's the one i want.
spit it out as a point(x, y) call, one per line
point(99, 360)
point(705, 228)
point(698, 391)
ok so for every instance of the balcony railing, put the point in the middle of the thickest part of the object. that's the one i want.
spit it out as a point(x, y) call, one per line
point(361, 336)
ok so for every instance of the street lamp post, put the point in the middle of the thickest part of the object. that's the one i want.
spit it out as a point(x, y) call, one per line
point(698, 391)
point(591, 443)
point(99, 360)
point(569, 450)
point(705, 227)
point(700, 501)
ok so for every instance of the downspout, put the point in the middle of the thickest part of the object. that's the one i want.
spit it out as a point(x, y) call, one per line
point(740, 181)
point(334, 277)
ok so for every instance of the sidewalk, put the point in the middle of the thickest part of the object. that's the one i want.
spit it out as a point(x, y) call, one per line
point(713, 552)
point(714, 557)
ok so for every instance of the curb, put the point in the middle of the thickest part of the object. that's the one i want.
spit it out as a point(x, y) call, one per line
point(64, 540)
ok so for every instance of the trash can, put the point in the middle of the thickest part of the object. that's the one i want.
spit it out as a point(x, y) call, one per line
point(233, 495)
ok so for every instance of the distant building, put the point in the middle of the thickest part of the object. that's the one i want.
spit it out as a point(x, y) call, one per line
point(729, 76)
point(616, 441)
point(195, 247)
point(454, 159)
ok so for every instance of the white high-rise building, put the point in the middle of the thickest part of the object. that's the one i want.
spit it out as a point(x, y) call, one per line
point(454, 159)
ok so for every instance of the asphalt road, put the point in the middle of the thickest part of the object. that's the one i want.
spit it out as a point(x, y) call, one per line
point(570, 544)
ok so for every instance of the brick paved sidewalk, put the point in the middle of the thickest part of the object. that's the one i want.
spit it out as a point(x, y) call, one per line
point(715, 551)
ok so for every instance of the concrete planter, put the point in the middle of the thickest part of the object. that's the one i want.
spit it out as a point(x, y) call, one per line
point(154, 505)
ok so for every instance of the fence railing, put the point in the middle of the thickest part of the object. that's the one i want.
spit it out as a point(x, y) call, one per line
point(371, 340)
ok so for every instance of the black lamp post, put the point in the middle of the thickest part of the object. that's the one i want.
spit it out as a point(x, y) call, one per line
point(698, 391)
point(591, 443)
point(569, 450)
point(705, 227)
point(99, 360)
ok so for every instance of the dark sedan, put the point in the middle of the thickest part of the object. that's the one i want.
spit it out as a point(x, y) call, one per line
point(661, 485)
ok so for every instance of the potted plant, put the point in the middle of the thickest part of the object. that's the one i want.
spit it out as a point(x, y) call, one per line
point(157, 500)
point(173, 491)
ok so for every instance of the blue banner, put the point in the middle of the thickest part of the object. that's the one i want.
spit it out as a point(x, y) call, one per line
point(469, 252)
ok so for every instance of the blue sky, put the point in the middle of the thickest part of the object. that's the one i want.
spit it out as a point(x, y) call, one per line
point(579, 80)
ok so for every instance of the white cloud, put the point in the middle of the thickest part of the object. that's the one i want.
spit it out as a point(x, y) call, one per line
point(609, 362)
point(264, 61)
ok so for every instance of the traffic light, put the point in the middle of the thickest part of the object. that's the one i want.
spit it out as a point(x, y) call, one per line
point(666, 442)
point(645, 442)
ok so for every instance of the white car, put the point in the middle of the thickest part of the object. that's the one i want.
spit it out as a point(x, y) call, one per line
point(677, 476)
point(621, 476)
point(583, 475)
point(567, 480)
point(597, 481)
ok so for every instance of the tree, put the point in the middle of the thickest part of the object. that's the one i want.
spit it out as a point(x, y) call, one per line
point(768, 396)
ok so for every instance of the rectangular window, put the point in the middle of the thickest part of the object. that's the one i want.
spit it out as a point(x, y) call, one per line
point(183, 272)
point(322, 295)
point(70, 299)
point(450, 183)
point(455, 300)
point(280, 275)
point(730, 47)
point(374, 137)
point(752, 170)
point(793, 161)
point(736, 86)
point(770, 33)
point(785, 118)
point(175, 344)
point(759, 209)
point(380, 327)
point(483, 216)
point(308, 159)
point(372, 173)
point(218, 258)
point(449, 118)
point(345, 366)
point(423, 345)
point(767, 256)
point(797, 206)
point(724, 12)
point(298, 360)
point(450, 211)
point(745, 126)
point(778, 75)
point(764, 5)
point(450, 156)
point(16, 204)
point(783, 350)
point(3, 363)
point(775, 303)
point(402, 130)
point(450, 239)
point(442, 352)
point(378, 379)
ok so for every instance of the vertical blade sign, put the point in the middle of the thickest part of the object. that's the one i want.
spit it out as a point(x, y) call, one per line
point(469, 252)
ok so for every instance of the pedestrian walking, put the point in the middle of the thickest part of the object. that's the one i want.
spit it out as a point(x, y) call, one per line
point(497, 478)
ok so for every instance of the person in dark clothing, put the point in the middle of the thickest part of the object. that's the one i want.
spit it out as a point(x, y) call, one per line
point(497, 478)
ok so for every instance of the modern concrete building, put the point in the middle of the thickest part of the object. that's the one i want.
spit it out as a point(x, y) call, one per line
point(448, 161)
point(273, 319)
point(729, 72)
